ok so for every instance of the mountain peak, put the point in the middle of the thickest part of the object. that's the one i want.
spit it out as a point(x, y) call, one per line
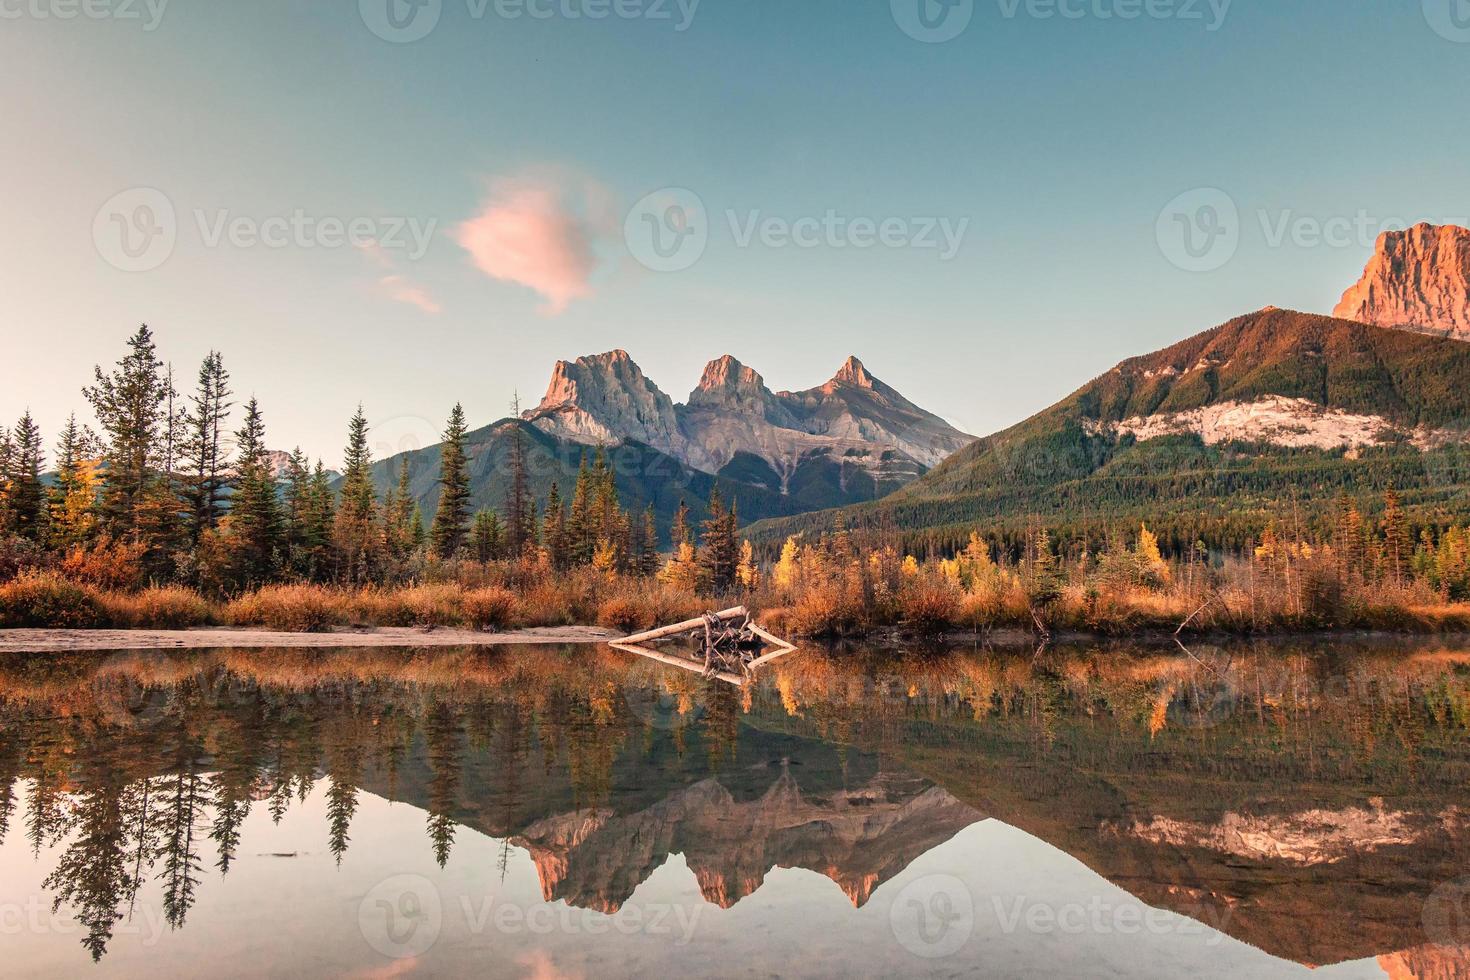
point(853, 373)
point(1418, 279)
point(726, 372)
point(606, 398)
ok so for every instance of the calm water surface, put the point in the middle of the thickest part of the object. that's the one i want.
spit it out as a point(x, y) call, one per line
point(1261, 811)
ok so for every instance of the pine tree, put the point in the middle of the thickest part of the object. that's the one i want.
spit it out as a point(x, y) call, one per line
point(357, 534)
point(130, 404)
point(25, 494)
point(399, 508)
point(451, 521)
point(553, 529)
point(520, 509)
point(74, 497)
point(296, 514)
point(486, 537)
point(648, 560)
point(680, 533)
point(7, 469)
point(1397, 549)
point(581, 539)
point(204, 448)
point(719, 546)
point(255, 525)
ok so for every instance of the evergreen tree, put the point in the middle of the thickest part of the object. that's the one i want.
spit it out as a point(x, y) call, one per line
point(398, 516)
point(487, 537)
point(520, 509)
point(680, 533)
point(25, 494)
point(204, 448)
point(580, 535)
point(648, 559)
point(719, 547)
point(357, 534)
point(74, 497)
point(130, 404)
point(7, 468)
point(554, 530)
point(451, 521)
point(1397, 549)
point(296, 511)
point(255, 526)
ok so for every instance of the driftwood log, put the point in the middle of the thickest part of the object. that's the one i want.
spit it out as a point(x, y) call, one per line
point(732, 646)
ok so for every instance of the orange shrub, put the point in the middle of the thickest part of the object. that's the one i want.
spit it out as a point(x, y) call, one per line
point(629, 613)
point(291, 609)
point(161, 607)
point(490, 608)
point(929, 603)
point(46, 600)
point(107, 564)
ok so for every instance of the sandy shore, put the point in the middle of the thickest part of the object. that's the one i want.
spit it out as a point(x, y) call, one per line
point(60, 641)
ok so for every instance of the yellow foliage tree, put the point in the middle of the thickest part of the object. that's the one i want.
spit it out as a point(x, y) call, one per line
point(788, 569)
point(682, 571)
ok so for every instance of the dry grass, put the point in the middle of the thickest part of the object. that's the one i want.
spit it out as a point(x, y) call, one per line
point(491, 608)
point(45, 599)
point(161, 607)
point(292, 609)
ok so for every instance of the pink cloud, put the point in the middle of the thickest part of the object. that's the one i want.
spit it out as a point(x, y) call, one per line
point(538, 234)
point(404, 291)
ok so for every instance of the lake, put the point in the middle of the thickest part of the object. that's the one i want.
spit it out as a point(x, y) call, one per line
point(1262, 810)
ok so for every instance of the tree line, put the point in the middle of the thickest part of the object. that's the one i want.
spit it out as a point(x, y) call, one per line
point(167, 484)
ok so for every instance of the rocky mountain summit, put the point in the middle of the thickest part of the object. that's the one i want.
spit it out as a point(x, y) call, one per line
point(734, 425)
point(1417, 280)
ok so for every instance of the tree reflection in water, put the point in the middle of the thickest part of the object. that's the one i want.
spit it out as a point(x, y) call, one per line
point(1259, 783)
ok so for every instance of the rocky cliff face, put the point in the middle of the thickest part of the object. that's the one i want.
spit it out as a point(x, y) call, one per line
point(606, 399)
point(1417, 280)
point(853, 429)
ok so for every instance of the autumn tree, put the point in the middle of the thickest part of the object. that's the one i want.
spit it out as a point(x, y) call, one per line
point(74, 495)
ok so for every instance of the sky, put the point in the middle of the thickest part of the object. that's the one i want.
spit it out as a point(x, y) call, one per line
point(409, 203)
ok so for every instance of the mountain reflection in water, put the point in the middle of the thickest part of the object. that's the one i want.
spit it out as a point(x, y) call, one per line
point(1309, 802)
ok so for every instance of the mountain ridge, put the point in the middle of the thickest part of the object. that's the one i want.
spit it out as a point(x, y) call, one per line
point(1321, 405)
